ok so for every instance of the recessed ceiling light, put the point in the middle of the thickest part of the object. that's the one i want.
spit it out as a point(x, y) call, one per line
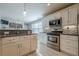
point(48, 4)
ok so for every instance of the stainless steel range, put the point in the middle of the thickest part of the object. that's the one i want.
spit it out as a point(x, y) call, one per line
point(54, 40)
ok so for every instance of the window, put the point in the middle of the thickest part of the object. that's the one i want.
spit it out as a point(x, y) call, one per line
point(37, 27)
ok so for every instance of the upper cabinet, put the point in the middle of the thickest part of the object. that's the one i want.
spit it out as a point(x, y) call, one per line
point(64, 15)
point(69, 15)
point(78, 12)
point(73, 15)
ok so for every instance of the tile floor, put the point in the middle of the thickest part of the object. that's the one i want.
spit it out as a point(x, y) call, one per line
point(43, 50)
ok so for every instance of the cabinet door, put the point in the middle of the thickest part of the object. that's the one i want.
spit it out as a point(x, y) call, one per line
point(10, 50)
point(0, 47)
point(23, 50)
point(33, 43)
point(69, 44)
point(73, 15)
point(64, 16)
point(25, 46)
point(78, 17)
point(0, 50)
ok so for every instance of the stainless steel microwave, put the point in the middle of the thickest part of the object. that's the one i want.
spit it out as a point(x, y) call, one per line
point(57, 22)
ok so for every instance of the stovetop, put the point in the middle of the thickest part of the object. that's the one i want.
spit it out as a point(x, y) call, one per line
point(54, 33)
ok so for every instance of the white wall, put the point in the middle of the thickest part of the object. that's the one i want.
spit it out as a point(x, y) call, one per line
point(13, 21)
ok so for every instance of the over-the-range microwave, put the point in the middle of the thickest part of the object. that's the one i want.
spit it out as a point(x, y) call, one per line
point(56, 22)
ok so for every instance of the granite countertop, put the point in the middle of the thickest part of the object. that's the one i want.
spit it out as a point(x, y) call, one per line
point(70, 34)
point(14, 35)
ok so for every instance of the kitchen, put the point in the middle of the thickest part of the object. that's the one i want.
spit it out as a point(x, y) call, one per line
point(31, 34)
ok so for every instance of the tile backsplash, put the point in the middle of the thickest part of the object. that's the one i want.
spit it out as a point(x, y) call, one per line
point(71, 29)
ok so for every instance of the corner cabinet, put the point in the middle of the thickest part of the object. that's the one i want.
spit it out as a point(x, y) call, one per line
point(69, 44)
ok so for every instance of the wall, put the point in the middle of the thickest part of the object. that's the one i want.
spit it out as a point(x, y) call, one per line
point(13, 21)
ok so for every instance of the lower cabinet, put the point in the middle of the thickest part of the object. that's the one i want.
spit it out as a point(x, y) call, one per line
point(18, 46)
point(69, 44)
point(24, 48)
point(0, 51)
point(10, 50)
point(33, 44)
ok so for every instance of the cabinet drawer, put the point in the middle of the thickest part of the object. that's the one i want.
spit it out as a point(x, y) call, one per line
point(15, 39)
point(9, 40)
point(70, 44)
point(21, 38)
point(6, 40)
point(68, 37)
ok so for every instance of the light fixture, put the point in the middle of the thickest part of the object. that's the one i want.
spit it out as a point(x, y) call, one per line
point(24, 10)
point(48, 4)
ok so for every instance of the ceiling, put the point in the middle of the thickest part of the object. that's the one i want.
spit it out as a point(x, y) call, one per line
point(34, 11)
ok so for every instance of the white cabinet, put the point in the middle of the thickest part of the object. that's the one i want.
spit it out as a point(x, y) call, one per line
point(69, 15)
point(69, 44)
point(19, 45)
point(64, 14)
point(73, 15)
point(10, 50)
point(78, 17)
point(27, 44)
point(0, 50)
point(24, 46)
point(33, 43)
point(23, 50)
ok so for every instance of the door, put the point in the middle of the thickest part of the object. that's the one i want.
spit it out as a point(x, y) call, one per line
point(10, 50)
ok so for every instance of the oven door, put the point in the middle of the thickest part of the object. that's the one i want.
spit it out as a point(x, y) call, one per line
point(52, 39)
